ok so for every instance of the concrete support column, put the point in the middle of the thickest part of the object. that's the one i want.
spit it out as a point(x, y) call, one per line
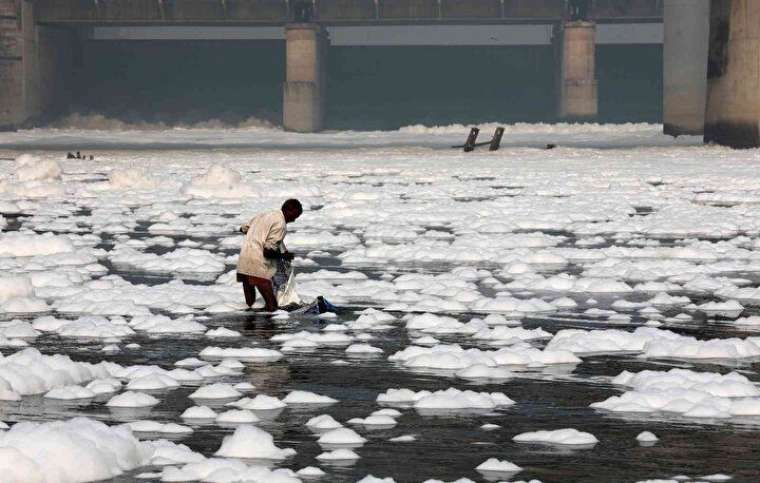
point(14, 54)
point(35, 63)
point(733, 74)
point(577, 81)
point(305, 77)
point(687, 33)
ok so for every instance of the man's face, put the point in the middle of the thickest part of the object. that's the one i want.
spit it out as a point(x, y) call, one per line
point(291, 215)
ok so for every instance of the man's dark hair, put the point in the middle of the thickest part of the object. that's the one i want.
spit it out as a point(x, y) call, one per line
point(292, 205)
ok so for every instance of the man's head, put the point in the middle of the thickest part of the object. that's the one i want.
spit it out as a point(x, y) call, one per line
point(292, 209)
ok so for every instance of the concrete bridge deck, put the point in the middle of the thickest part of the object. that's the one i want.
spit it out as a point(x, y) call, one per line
point(335, 12)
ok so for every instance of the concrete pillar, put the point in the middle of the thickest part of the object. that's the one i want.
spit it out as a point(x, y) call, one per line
point(13, 53)
point(577, 81)
point(35, 62)
point(733, 74)
point(687, 34)
point(305, 77)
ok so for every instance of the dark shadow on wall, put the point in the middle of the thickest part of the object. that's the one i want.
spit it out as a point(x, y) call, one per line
point(630, 83)
point(389, 87)
point(188, 82)
point(180, 82)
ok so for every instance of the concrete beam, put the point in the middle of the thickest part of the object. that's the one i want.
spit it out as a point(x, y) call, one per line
point(306, 47)
point(687, 29)
point(279, 12)
point(733, 76)
point(577, 72)
point(391, 35)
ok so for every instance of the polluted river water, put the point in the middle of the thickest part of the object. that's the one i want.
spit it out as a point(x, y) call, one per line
point(545, 283)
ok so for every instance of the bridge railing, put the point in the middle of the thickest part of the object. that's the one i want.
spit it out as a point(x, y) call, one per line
point(332, 11)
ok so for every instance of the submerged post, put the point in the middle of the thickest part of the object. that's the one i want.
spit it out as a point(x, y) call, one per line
point(687, 33)
point(305, 77)
point(733, 74)
point(577, 81)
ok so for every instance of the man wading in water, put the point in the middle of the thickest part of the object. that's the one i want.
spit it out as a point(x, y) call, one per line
point(261, 250)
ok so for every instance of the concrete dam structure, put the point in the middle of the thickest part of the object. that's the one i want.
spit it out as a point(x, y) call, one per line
point(40, 41)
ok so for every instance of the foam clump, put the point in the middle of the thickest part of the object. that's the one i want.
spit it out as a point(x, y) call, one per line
point(455, 399)
point(32, 168)
point(261, 402)
point(161, 324)
point(73, 451)
point(104, 386)
point(223, 333)
point(18, 329)
point(692, 348)
point(454, 357)
point(185, 261)
point(69, 393)
point(166, 452)
point(451, 398)
point(198, 412)
point(483, 372)
point(215, 391)
point(15, 286)
point(687, 393)
point(26, 305)
point(375, 420)
point(607, 341)
point(237, 416)
point(34, 178)
point(647, 437)
point(363, 349)
point(251, 442)
point(309, 340)
point(228, 470)
point(752, 320)
point(341, 436)
point(502, 333)
point(257, 354)
point(341, 454)
point(130, 179)
point(90, 327)
point(500, 466)
point(219, 182)
point(156, 427)
point(29, 372)
point(310, 472)
point(323, 422)
point(404, 438)
point(152, 382)
point(729, 308)
point(131, 399)
point(372, 319)
point(569, 437)
point(192, 362)
point(22, 244)
point(374, 479)
point(306, 397)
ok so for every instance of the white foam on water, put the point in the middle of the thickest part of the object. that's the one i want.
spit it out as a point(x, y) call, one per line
point(563, 437)
point(72, 451)
point(251, 442)
point(552, 235)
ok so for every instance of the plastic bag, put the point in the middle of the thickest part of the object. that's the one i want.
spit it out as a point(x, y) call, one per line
point(285, 285)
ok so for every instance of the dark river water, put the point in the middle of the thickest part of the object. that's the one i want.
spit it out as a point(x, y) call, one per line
point(447, 446)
